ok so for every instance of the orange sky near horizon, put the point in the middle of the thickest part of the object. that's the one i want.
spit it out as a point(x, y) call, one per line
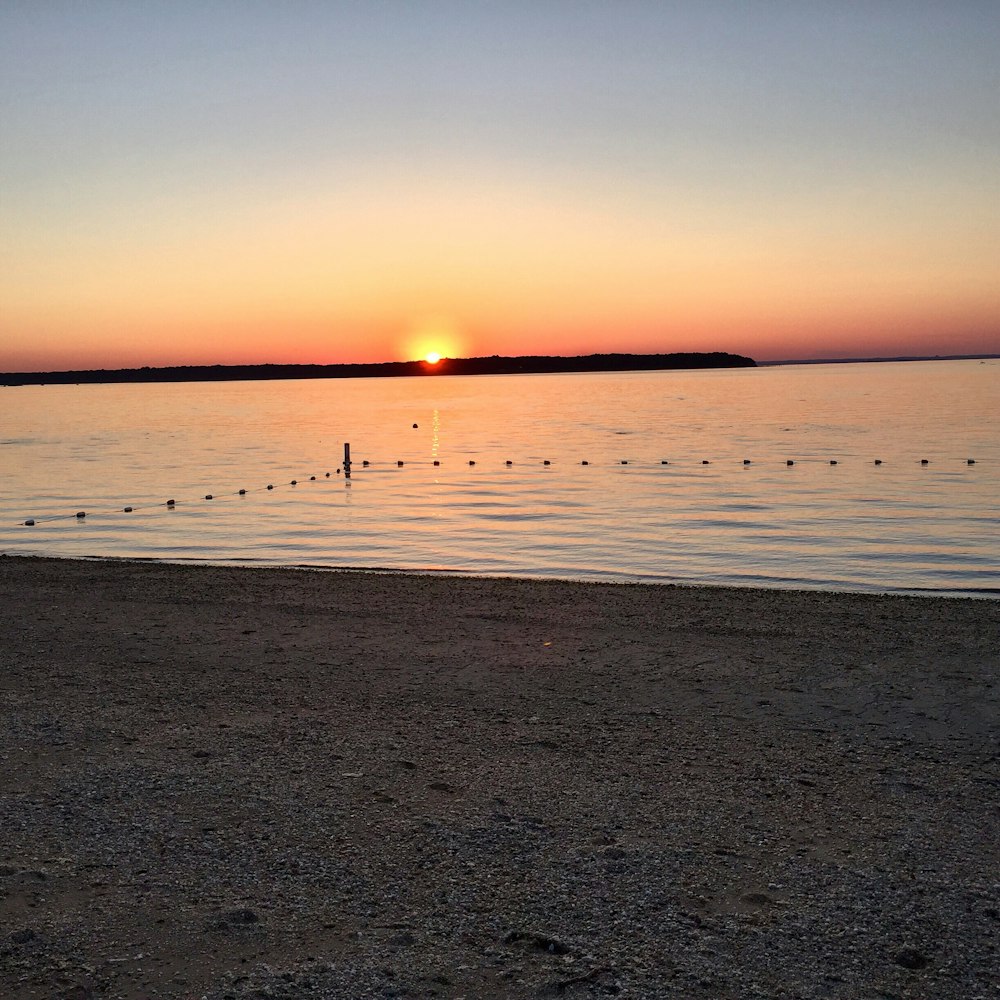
point(328, 279)
point(326, 190)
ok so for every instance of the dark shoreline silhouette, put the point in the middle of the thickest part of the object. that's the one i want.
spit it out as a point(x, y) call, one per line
point(495, 365)
point(865, 361)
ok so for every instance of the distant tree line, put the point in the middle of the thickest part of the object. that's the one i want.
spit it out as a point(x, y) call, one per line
point(495, 365)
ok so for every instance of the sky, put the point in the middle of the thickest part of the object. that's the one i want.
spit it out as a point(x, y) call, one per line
point(247, 182)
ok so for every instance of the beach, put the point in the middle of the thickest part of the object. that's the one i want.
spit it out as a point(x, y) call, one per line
point(232, 783)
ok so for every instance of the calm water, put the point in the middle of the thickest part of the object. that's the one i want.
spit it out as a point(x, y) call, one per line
point(853, 525)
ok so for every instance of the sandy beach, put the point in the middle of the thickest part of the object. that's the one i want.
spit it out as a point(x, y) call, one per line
point(232, 783)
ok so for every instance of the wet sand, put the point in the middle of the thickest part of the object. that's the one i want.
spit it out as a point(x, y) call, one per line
point(233, 783)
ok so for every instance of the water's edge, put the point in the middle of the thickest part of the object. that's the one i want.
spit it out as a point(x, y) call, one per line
point(756, 583)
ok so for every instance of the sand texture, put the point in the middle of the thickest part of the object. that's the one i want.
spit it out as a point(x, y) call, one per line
point(232, 783)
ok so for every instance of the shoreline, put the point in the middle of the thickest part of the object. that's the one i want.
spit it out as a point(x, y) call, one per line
point(348, 783)
point(424, 368)
point(624, 580)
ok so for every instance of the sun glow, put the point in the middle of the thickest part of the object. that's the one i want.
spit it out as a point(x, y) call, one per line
point(432, 339)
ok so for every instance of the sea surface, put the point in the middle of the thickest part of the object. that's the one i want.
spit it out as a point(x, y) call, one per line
point(665, 494)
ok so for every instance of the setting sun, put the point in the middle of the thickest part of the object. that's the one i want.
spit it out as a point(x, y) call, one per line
point(432, 338)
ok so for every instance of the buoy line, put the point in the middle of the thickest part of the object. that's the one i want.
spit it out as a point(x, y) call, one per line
point(172, 504)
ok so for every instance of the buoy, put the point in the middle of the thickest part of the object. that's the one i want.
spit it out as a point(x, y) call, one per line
point(81, 513)
point(584, 462)
point(170, 503)
point(243, 493)
point(30, 523)
point(924, 461)
point(471, 462)
point(833, 461)
point(624, 461)
point(127, 510)
point(878, 461)
point(508, 462)
point(663, 461)
point(436, 462)
point(399, 464)
point(270, 486)
point(970, 461)
point(294, 482)
point(414, 426)
point(208, 496)
point(705, 461)
point(328, 475)
point(746, 461)
point(546, 462)
point(312, 479)
point(789, 462)
point(365, 464)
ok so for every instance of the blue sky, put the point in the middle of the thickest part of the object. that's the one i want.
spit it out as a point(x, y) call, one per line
point(783, 179)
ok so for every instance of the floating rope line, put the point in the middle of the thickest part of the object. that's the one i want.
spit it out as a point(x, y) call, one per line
point(172, 504)
point(789, 462)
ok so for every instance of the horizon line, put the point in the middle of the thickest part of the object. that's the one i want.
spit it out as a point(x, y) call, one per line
point(438, 367)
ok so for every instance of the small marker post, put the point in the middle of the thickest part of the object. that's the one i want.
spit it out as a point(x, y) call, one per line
point(347, 459)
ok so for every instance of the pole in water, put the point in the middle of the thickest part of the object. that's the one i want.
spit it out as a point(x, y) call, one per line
point(347, 459)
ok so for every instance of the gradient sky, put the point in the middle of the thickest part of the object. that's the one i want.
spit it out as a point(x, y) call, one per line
point(241, 182)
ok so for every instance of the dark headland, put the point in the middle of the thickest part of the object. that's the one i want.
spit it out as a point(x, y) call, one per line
point(495, 365)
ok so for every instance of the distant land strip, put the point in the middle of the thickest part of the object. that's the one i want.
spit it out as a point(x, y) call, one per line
point(865, 361)
point(495, 365)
